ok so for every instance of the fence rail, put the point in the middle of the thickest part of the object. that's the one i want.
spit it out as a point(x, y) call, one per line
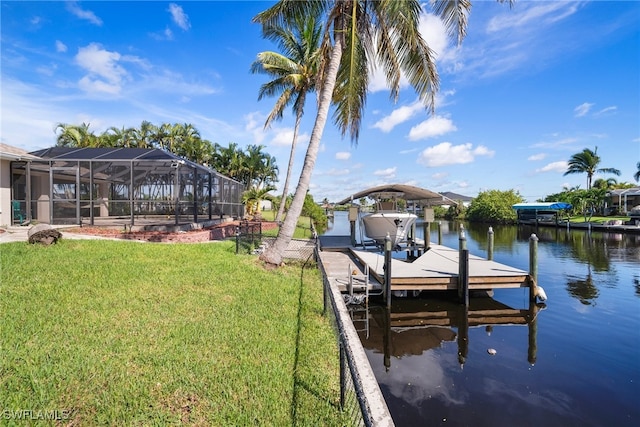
point(248, 236)
point(360, 396)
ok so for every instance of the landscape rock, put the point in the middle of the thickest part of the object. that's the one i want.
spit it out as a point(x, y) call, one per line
point(43, 234)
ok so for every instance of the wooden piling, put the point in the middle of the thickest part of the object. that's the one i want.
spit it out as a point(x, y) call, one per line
point(490, 244)
point(387, 270)
point(533, 266)
point(463, 277)
point(463, 268)
point(532, 349)
point(426, 229)
point(353, 217)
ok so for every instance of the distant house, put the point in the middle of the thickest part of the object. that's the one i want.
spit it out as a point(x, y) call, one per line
point(10, 154)
point(621, 201)
point(454, 197)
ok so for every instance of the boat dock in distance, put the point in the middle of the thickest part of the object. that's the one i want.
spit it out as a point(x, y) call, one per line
point(436, 269)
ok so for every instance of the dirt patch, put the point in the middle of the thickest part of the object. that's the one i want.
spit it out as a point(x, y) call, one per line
point(216, 232)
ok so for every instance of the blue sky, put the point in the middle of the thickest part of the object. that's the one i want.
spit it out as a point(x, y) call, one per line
point(529, 86)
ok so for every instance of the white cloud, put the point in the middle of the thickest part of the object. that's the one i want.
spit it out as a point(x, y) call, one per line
point(435, 34)
point(397, 116)
point(60, 47)
point(606, 111)
point(253, 125)
point(582, 109)
point(87, 15)
point(560, 166)
point(336, 172)
point(446, 153)
point(179, 17)
point(440, 175)
point(535, 157)
point(555, 144)
point(547, 12)
point(386, 173)
point(517, 38)
point(433, 126)
point(343, 155)
point(105, 74)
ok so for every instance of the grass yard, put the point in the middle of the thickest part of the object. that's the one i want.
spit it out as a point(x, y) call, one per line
point(303, 227)
point(597, 219)
point(128, 333)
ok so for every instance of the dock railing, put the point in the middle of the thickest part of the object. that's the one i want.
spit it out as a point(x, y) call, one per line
point(360, 396)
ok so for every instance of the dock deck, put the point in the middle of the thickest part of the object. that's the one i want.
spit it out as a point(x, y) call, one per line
point(435, 269)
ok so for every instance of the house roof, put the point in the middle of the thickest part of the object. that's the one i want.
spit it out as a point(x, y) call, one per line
point(407, 192)
point(633, 191)
point(550, 206)
point(8, 152)
point(103, 154)
point(456, 197)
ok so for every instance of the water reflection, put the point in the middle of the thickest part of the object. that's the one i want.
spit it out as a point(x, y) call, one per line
point(585, 344)
point(414, 326)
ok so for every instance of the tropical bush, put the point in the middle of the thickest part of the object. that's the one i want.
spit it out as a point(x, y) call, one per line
point(494, 206)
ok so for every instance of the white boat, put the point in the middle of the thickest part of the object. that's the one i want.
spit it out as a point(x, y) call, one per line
point(396, 225)
point(387, 220)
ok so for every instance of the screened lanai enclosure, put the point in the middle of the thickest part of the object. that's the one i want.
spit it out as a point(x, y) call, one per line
point(111, 186)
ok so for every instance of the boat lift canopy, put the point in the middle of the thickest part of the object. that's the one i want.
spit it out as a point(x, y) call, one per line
point(409, 192)
point(542, 206)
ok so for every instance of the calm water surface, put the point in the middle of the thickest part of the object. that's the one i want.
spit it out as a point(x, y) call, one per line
point(573, 362)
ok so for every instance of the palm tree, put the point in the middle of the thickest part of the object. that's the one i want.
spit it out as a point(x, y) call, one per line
point(359, 33)
point(144, 135)
point(252, 198)
point(587, 161)
point(636, 176)
point(78, 136)
point(118, 137)
point(294, 73)
point(606, 184)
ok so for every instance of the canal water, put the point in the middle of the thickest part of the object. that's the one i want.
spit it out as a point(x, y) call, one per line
point(574, 361)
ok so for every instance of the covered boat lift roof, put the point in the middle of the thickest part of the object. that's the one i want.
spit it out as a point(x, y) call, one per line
point(542, 206)
point(409, 192)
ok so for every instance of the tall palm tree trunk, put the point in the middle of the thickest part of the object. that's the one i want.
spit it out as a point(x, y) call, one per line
point(275, 253)
point(285, 190)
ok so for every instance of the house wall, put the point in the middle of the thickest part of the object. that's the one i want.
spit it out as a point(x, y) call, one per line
point(5, 192)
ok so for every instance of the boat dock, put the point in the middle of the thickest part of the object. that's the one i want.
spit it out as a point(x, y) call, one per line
point(436, 269)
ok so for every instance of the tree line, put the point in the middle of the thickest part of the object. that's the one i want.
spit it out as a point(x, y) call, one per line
point(495, 205)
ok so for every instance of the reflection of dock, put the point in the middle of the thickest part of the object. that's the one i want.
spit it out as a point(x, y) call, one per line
point(436, 269)
point(413, 327)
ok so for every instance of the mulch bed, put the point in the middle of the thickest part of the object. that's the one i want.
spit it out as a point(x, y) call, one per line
point(216, 232)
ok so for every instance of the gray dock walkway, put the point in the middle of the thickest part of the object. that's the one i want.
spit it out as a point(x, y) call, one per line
point(436, 269)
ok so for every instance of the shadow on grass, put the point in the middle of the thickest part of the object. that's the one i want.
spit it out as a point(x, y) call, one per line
point(301, 386)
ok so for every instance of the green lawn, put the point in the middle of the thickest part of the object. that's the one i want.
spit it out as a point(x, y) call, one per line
point(597, 219)
point(127, 333)
point(303, 227)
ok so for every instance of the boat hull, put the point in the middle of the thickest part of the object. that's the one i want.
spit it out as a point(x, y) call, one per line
point(395, 224)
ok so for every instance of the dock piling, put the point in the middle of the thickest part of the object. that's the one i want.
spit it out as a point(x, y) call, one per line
point(490, 244)
point(439, 233)
point(387, 270)
point(463, 277)
point(533, 265)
